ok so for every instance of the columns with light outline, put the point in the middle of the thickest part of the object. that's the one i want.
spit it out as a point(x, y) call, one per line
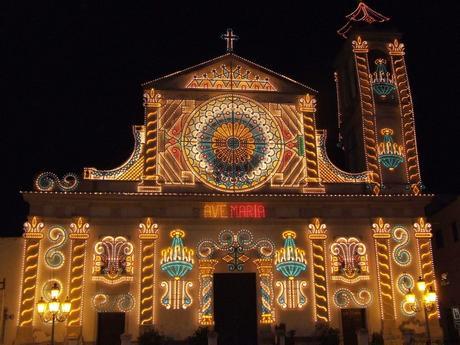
point(152, 104)
point(265, 269)
point(381, 235)
point(360, 51)
point(398, 65)
point(307, 106)
point(79, 234)
point(206, 269)
point(148, 234)
point(317, 233)
point(423, 236)
point(32, 236)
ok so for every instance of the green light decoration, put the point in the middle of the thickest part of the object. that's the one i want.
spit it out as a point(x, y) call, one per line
point(290, 260)
point(382, 81)
point(177, 260)
point(390, 153)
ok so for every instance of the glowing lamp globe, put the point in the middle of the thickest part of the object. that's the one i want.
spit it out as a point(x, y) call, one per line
point(41, 306)
point(421, 285)
point(410, 297)
point(431, 296)
point(55, 291)
point(65, 307)
point(53, 306)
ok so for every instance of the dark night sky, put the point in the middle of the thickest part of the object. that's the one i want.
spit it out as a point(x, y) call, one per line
point(71, 74)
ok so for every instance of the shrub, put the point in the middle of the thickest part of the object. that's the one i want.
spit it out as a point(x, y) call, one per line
point(327, 335)
point(200, 337)
point(151, 337)
point(377, 339)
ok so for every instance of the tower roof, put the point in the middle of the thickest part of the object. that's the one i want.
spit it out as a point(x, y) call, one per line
point(362, 15)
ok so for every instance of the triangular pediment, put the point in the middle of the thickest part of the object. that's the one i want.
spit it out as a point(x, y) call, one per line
point(229, 72)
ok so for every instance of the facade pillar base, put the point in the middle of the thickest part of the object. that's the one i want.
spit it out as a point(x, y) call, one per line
point(390, 332)
point(24, 335)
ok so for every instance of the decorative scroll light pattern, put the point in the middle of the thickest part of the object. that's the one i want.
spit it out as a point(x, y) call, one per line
point(54, 258)
point(343, 297)
point(79, 234)
point(131, 170)
point(231, 78)
point(48, 181)
point(177, 261)
point(32, 235)
point(291, 262)
point(104, 303)
point(349, 261)
point(381, 234)
point(383, 82)
point(265, 269)
point(113, 260)
point(148, 234)
point(329, 172)
point(405, 282)
point(396, 51)
point(423, 236)
point(360, 50)
point(391, 154)
point(236, 245)
point(401, 254)
point(206, 270)
point(317, 233)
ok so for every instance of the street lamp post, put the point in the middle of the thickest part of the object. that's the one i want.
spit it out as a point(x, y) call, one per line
point(427, 303)
point(53, 310)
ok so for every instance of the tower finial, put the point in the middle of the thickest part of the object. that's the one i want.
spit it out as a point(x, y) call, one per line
point(229, 37)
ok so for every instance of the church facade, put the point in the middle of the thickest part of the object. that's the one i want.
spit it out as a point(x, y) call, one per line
point(229, 176)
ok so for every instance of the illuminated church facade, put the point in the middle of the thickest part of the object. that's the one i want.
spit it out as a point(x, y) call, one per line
point(230, 174)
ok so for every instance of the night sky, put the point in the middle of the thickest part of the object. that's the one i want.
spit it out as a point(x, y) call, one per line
point(72, 71)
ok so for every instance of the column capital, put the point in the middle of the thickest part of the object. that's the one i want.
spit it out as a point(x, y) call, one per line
point(422, 228)
point(380, 228)
point(152, 99)
point(33, 229)
point(396, 47)
point(359, 45)
point(307, 103)
point(317, 230)
point(148, 230)
point(79, 229)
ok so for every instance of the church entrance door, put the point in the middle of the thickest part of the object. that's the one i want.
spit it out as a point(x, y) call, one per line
point(352, 321)
point(110, 326)
point(235, 308)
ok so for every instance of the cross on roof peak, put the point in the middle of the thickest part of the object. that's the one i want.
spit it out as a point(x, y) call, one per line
point(229, 37)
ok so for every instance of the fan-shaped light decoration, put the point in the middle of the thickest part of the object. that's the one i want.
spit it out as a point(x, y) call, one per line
point(177, 260)
point(390, 153)
point(290, 260)
point(383, 82)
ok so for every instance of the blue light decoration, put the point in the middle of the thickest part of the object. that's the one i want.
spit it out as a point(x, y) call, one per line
point(290, 260)
point(177, 260)
point(382, 81)
point(390, 153)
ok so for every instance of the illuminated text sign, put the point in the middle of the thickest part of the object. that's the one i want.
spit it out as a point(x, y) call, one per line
point(234, 210)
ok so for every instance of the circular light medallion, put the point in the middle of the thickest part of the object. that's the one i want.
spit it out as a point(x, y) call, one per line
point(232, 143)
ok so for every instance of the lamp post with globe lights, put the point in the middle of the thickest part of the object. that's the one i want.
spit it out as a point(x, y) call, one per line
point(53, 311)
point(427, 303)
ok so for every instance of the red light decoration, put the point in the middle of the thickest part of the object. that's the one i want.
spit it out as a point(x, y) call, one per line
point(234, 210)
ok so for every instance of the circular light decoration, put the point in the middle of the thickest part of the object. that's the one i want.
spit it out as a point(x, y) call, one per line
point(232, 143)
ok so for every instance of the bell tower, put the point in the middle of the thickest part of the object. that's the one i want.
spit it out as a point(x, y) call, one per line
point(376, 114)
